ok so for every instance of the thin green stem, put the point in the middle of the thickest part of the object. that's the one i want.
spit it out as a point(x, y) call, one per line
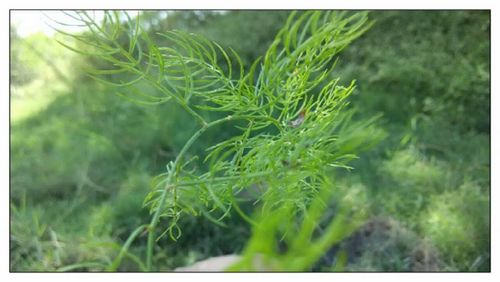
point(168, 185)
point(160, 87)
point(123, 251)
point(223, 179)
point(180, 101)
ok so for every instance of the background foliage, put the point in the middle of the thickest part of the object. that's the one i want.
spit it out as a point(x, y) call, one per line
point(82, 159)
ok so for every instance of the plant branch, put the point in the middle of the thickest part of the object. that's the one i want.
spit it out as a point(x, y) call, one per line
point(223, 179)
point(168, 185)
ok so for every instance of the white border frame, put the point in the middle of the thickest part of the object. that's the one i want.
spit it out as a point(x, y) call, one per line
point(255, 4)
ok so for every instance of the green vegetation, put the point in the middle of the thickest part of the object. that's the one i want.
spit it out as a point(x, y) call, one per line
point(247, 136)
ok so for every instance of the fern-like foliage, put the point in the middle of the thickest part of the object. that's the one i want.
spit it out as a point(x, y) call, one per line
point(294, 127)
point(282, 241)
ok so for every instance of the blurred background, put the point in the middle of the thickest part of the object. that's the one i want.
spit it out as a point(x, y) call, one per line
point(82, 158)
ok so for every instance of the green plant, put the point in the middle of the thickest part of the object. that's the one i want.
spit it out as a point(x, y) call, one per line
point(292, 121)
point(458, 222)
point(290, 239)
